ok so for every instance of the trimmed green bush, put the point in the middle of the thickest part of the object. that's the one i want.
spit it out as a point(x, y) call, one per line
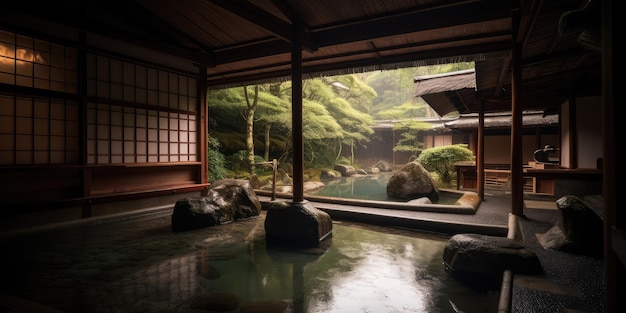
point(441, 160)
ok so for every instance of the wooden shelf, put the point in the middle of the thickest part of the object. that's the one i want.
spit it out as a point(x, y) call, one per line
point(494, 178)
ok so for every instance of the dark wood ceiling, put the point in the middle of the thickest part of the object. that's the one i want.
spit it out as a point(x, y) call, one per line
point(246, 42)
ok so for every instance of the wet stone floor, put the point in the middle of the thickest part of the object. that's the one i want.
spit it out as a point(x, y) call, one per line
point(140, 265)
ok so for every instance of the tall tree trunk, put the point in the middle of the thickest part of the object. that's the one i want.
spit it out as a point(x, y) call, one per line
point(275, 91)
point(351, 152)
point(266, 155)
point(339, 151)
point(250, 125)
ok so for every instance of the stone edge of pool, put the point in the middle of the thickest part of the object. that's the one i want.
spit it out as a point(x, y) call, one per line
point(467, 204)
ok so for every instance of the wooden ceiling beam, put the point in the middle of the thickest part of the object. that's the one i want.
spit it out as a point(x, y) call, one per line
point(245, 74)
point(373, 28)
point(413, 21)
point(576, 52)
point(258, 16)
point(142, 22)
point(142, 19)
point(274, 47)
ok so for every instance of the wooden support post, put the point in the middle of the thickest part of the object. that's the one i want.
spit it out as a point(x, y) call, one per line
point(296, 116)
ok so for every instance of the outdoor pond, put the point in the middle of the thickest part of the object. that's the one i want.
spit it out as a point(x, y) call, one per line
point(369, 187)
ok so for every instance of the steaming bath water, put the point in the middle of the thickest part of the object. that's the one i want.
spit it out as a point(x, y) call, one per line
point(140, 265)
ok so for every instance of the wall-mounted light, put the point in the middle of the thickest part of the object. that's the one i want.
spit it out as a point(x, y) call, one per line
point(19, 56)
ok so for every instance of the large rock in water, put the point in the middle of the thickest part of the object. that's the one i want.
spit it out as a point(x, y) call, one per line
point(345, 170)
point(296, 225)
point(411, 182)
point(227, 200)
point(384, 166)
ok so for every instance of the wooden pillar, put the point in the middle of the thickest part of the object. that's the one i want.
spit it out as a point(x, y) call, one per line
point(480, 152)
point(87, 209)
point(296, 116)
point(614, 220)
point(204, 126)
point(517, 179)
point(573, 133)
point(393, 144)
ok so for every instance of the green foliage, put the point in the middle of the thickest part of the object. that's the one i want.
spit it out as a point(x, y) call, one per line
point(227, 109)
point(229, 139)
point(216, 161)
point(273, 109)
point(353, 90)
point(396, 87)
point(411, 109)
point(338, 116)
point(356, 126)
point(392, 87)
point(261, 168)
point(343, 161)
point(441, 160)
point(238, 161)
point(330, 117)
point(409, 141)
point(317, 123)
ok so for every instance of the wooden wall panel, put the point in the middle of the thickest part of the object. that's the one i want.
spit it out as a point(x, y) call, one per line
point(40, 185)
point(114, 180)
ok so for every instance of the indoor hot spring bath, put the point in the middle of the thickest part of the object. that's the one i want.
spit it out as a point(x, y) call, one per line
point(139, 265)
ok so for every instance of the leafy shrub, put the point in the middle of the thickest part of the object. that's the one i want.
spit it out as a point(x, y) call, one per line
point(343, 161)
point(261, 168)
point(440, 160)
point(216, 160)
point(239, 165)
point(238, 161)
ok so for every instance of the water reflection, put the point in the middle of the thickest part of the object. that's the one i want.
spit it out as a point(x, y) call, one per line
point(141, 266)
point(362, 270)
point(381, 275)
point(368, 187)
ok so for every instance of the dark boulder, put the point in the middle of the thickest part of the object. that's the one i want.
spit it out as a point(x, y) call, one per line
point(345, 170)
point(483, 257)
point(579, 228)
point(411, 182)
point(226, 201)
point(296, 225)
